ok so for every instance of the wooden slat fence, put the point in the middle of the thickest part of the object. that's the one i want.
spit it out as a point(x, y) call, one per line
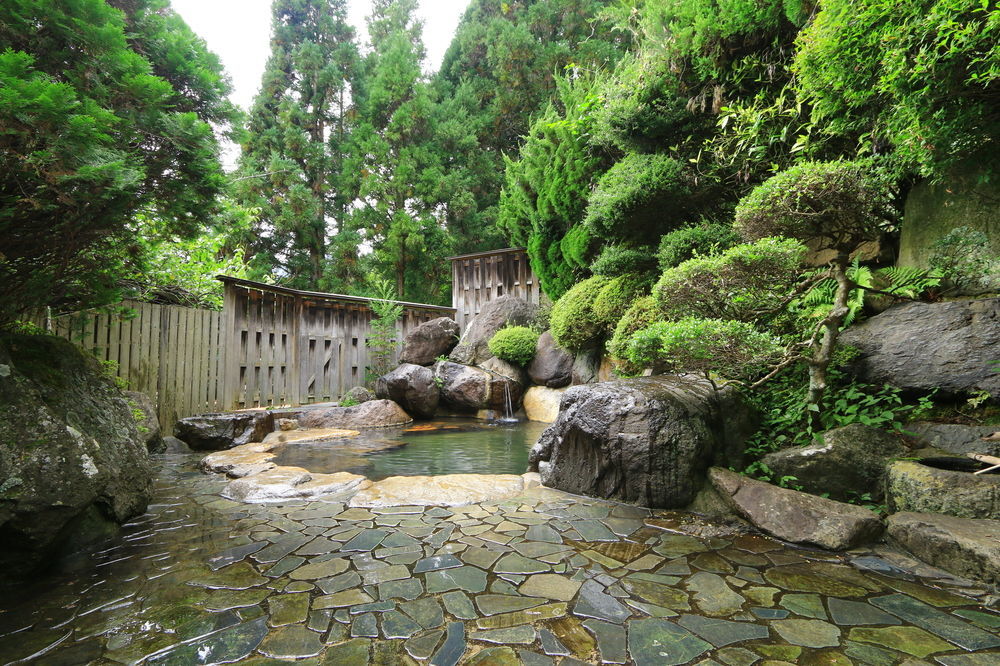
point(482, 277)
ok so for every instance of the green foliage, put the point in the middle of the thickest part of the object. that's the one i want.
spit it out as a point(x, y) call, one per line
point(616, 297)
point(515, 344)
point(920, 75)
point(747, 282)
point(686, 243)
point(574, 325)
point(963, 258)
point(382, 329)
point(639, 315)
point(544, 196)
point(734, 349)
point(838, 204)
point(348, 401)
point(617, 260)
point(104, 112)
point(640, 196)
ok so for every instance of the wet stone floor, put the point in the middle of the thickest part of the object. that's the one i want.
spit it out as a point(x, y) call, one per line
point(546, 578)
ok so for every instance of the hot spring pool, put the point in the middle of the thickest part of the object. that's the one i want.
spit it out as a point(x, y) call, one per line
point(448, 446)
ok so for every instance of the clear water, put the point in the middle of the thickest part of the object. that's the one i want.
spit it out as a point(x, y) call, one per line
point(450, 446)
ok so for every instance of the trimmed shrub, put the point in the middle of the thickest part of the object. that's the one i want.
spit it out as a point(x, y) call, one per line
point(615, 261)
point(515, 344)
point(687, 243)
point(574, 325)
point(640, 314)
point(641, 195)
point(615, 298)
point(733, 349)
point(745, 283)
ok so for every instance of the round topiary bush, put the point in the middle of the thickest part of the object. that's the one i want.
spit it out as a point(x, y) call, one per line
point(615, 261)
point(514, 344)
point(574, 325)
point(687, 243)
point(640, 314)
point(615, 298)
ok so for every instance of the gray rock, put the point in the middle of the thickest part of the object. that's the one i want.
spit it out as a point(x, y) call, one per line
point(147, 422)
point(963, 546)
point(434, 338)
point(947, 346)
point(647, 440)
point(216, 432)
point(174, 445)
point(473, 348)
point(795, 516)
point(412, 387)
point(469, 389)
point(847, 462)
point(586, 367)
point(358, 395)
point(552, 365)
point(506, 381)
point(911, 486)
point(955, 438)
point(72, 461)
point(371, 414)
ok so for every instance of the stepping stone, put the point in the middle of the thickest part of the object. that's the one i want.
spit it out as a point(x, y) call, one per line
point(536, 614)
point(593, 530)
point(374, 607)
point(657, 594)
point(365, 625)
point(294, 642)
point(284, 565)
point(656, 642)
point(480, 557)
point(339, 583)
point(543, 533)
point(869, 654)
point(610, 641)
point(551, 644)
point(937, 622)
point(229, 645)
point(518, 564)
point(317, 570)
point(427, 612)
point(502, 656)
point(385, 574)
point(408, 589)
point(713, 596)
point(467, 578)
point(453, 648)
point(288, 609)
point(436, 562)
point(550, 586)
point(722, 632)
point(911, 640)
point(808, 633)
point(769, 613)
point(222, 600)
point(493, 604)
point(808, 605)
point(520, 635)
point(978, 659)
point(368, 540)
point(227, 557)
point(593, 602)
point(342, 599)
point(399, 540)
point(852, 613)
point(735, 656)
point(985, 620)
point(420, 647)
point(798, 578)
point(459, 605)
point(284, 545)
point(539, 549)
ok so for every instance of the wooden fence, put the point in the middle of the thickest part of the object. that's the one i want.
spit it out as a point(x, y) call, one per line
point(481, 277)
point(172, 354)
point(291, 347)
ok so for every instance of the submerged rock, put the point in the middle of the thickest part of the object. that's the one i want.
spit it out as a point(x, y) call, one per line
point(796, 516)
point(445, 490)
point(372, 414)
point(508, 310)
point(948, 347)
point(963, 546)
point(283, 483)
point(647, 440)
point(434, 338)
point(846, 463)
point(552, 365)
point(412, 387)
point(72, 461)
point(214, 432)
point(911, 486)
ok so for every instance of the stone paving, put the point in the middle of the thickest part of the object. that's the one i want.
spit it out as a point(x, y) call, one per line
point(543, 578)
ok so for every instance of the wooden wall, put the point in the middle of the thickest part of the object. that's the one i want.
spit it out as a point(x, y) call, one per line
point(482, 277)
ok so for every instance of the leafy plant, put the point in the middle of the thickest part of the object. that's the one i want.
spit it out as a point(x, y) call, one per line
point(640, 314)
point(616, 260)
point(382, 330)
point(963, 257)
point(575, 325)
point(515, 344)
point(706, 238)
point(348, 401)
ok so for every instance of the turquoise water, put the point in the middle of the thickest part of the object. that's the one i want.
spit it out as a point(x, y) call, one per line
point(449, 446)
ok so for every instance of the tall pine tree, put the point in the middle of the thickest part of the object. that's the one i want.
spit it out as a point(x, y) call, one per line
point(293, 157)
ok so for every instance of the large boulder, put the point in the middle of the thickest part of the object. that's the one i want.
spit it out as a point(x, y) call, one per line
point(965, 547)
point(846, 463)
point(795, 516)
point(957, 438)
point(72, 461)
point(147, 422)
point(647, 440)
point(412, 387)
point(473, 348)
point(467, 389)
point(949, 346)
point(542, 404)
point(215, 432)
point(434, 338)
point(913, 486)
point(552, 365)
point(371, 414)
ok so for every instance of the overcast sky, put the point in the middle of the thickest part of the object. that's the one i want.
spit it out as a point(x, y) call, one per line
point(239, 32)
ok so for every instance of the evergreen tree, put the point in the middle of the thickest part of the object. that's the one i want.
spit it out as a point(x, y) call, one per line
point(395, 156)
point(293, 157)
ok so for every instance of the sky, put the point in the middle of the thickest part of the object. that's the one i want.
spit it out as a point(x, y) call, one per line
point(238, 31)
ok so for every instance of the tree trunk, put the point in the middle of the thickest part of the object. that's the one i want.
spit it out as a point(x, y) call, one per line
point(823, 350)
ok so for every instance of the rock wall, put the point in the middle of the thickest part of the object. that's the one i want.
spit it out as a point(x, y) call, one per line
point(72, 461)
